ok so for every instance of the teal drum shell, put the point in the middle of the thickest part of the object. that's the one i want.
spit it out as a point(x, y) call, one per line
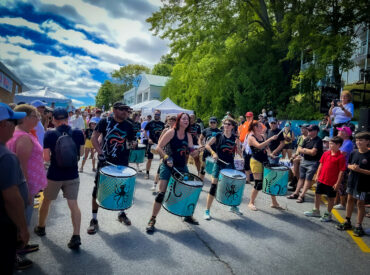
point(210, 162)
point(137, 155)
point(116, 187)
point(230, 187)
point(275, 180)
point(181, 196)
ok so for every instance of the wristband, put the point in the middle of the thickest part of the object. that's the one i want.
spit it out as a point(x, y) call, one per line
point(165, 157)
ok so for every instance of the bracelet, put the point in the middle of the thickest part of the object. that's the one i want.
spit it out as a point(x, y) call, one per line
point(165, 157)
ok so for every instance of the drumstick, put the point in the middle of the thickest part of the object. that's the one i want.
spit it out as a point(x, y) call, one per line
point(224, 162)
point(184, 177)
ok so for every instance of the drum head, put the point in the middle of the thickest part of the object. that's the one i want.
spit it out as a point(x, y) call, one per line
point(118, 171)
point(279, 168)
point(194, 183)
point(231, 173)
point(141, 146)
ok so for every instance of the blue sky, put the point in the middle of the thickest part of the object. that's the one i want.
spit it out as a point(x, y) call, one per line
point(72, 46)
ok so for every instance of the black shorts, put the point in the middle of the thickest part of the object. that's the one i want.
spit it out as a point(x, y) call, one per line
point(288, 146)
point(148, 154)
point(247, 160)
point(323, 189)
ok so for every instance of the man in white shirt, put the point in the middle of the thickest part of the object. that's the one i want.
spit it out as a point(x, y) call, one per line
point(77, 122)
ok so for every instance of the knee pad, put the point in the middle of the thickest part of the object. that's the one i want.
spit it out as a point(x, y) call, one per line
point(213, 189)
point(258, 185)
point(159, 198)
point(202, 172)
point(95, 190)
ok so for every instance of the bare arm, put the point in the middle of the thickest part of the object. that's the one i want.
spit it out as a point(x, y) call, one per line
point(164, 141)
point(305, 151)
point(356, 168)
point(209, 144)
point(46, 154)
point(253, 142)
point(279, 148)
point(239, 148)
point(95, 142)
point(23, 150)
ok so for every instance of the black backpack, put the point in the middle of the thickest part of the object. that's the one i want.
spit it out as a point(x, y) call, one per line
point(66, 154)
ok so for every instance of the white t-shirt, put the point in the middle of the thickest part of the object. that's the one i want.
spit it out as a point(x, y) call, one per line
point(40, 132)
point(77, 123)
point(340, 116)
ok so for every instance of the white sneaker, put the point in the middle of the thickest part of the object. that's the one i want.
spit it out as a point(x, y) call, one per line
point(207, 215)
point(154, 187)
point(339, 207)
point(235, 210)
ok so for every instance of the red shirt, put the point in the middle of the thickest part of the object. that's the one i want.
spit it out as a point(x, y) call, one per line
point(330, 167)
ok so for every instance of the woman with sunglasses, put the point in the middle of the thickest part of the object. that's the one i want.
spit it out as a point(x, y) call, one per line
point(260, 152)
point(227, 144)
point(180, 143)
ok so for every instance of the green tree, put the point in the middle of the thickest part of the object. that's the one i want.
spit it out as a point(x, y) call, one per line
point(165, 66)
point(129, 75)
point(105, 94)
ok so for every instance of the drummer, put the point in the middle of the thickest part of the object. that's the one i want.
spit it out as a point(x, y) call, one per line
point(225, 144)
point(195, 132)
point(260, 154)
point(180, 143)
point(135, 120)
point(205, 136)
point(117, 139)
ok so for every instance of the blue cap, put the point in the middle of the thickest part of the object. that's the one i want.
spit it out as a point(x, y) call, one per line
point(38, 103)
point(94, 120)
point(60, 113)
point(7, 113)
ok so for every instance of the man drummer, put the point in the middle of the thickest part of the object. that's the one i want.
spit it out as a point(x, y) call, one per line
point(155, 128)
point(206, 135)
point(117, 138)
point(226, 145)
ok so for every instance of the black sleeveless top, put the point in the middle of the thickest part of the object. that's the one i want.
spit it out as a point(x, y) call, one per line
point(179, 149)
point(259, 154)
point(225, 147)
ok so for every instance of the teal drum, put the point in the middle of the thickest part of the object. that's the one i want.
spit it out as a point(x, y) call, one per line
point(137, 155)
point(210, 162)
point(182, 194)
point(116, 187)
point(230, 187)
point(275, 180)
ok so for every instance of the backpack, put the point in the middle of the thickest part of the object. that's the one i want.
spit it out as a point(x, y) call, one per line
point(66, 154)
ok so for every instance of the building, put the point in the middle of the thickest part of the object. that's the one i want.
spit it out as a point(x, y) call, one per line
point(10, 85)
point(149, 88)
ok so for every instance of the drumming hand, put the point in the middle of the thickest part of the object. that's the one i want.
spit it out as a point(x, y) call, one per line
point(336, 187)
point(150, 141)
point(275, 137)
point(215, 157)
point(169, 162)
point(102, 158)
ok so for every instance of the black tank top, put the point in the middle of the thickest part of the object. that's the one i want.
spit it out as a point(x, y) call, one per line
point(179, 149)
point(226, 147)
point(259, 154)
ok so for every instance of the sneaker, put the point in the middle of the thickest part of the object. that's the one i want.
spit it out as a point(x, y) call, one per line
point(93, 228)
point(150, 228)
point(326, 217)
point(191, 220)
point(235, 209)
point(344, 226)
point(40, 231)
point(154, 187)
point(28, 249)
point(146, 176)
point(75, 242)
point(22, 263)
point(358, 231)
point(124, 219)
point(312, 213)
point(339, 207)
point(207, 215)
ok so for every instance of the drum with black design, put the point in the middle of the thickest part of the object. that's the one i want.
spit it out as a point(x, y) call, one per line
point(275, 180)
point(210, 162)
point(137, 155)
point(182, 194)
point(230, 187)
point(116, 187)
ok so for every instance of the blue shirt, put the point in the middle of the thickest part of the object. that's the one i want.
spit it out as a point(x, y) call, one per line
point(340, 116)
point(347, 147)
point(40, 132)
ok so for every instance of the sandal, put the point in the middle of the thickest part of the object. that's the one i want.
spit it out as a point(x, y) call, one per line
point(252, 207)
point(277, 207)
point(292, 197)
point(300, 200)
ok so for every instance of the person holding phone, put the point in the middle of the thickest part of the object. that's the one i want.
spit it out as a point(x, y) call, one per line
point(343, 112)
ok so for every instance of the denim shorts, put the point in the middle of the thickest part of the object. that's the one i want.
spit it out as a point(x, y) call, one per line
point(218, 167)
point(165, 171)
point(307, 169)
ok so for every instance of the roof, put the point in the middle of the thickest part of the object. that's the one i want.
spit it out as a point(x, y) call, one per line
point(156, 80)
point(12, 76)
point(151, 103)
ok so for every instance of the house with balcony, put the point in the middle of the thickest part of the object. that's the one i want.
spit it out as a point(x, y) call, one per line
point(149, 88)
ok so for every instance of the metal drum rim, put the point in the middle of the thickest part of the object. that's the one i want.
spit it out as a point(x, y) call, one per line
point(189, 184)
point(121, 177)
point(232, 177)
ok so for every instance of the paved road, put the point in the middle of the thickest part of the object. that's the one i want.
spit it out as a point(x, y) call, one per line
point(267, 241)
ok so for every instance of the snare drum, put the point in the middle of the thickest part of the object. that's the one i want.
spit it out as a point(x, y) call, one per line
point(181, 196)
point(210, 162)
point(239, 164)
point(275, 180)
point(116, 187)
point(137, 155)
point(153, 149)
point(230, 187)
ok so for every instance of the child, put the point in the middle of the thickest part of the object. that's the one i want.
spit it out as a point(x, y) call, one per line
point(358, 183)
point(89, 148)
point(330, 173)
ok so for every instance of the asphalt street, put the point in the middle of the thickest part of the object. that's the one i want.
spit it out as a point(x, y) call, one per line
point(267, 241)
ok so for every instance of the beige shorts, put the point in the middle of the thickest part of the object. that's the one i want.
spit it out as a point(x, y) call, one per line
point(69, 188)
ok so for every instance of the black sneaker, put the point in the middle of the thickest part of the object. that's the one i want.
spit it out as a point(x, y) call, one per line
point(124, 219)
point(358, 231)
point(93, 228)
point(191, 220)
point(40, 231)
point(150, 228)
point(75, 242)
point(344, 226)
point(28, 249)
point(22, 263)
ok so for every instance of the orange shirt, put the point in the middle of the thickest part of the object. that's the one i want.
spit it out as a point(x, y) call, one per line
point(243, 130)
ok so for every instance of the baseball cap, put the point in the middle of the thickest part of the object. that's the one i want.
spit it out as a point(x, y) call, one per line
point(304, 125)
point(38, 103)
point(326, 139)
point(94, 120)
point(119, 104)
point(313, 127)
point(213, 118)
point(287, 124)
point(345, 129)
point(60, 113)
point(250, 114)
point(98, 111)
point(7, 113)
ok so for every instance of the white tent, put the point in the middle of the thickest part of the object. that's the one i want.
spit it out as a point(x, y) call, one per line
point(45, 95)
point(167, 107)
point(146, 104)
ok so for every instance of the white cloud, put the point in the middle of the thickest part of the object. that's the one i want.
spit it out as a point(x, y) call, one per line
point(19, 40)
point(20, 22)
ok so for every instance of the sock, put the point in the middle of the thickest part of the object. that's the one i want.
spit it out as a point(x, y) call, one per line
point(147, 172)
point(122, 213)
point(95, 214)
point(348, 220)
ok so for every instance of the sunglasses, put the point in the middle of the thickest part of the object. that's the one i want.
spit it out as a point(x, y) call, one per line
point(157, 114)
point(212, 122)
point(228, 124)
point(122, 109)
point(273, 122)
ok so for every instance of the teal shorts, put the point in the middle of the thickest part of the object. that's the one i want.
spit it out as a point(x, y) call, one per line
point(165, 171)
point(218, 167)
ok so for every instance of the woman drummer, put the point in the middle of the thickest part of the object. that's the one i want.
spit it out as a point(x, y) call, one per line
point(136, 127)
point(226, 145)
point(260, 152)
point(180, 143)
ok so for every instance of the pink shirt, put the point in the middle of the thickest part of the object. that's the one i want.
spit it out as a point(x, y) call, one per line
point(36, 173)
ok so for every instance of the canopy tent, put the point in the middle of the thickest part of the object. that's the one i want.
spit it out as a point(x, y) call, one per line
point(167, 107)
point(145, 104)
point(45, 95)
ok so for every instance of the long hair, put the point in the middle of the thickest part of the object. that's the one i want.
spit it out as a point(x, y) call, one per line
point(253, 124)
point(177, 124)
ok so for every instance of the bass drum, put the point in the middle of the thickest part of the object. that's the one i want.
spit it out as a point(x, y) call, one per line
point(230, 187)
